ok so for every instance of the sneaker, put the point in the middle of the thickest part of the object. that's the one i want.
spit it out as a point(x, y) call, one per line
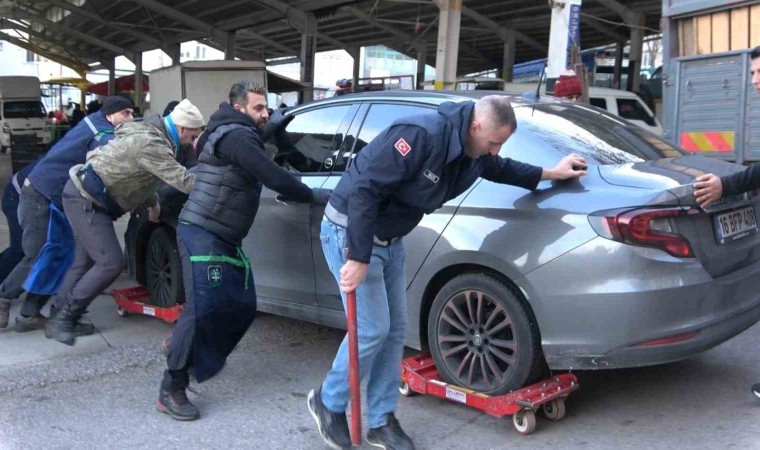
point(5, 308)
point(390, 437)
point(756, 389)
point(333, 427)
point(24, 324)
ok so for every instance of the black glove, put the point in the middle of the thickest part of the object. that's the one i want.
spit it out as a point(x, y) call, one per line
point(321, 196)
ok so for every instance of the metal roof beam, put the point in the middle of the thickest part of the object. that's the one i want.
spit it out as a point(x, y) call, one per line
point(20, 14)
point(411, 41)
point(7, 24)
point(502, 30)
point(78, 66)
point(626, 13)
point(78, 10)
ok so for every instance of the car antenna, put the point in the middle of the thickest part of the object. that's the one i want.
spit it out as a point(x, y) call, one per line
point(538, 89)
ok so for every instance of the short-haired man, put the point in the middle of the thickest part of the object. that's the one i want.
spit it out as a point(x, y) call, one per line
point(220, 297)
point(709, 187)
point(42, 190)
point(116, 178)
point(408, 170)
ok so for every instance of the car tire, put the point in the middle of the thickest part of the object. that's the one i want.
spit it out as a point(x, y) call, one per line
point(494, 348)
point(163, 269)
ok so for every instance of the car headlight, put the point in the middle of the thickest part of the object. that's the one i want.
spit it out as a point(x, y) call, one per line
point(6, 127)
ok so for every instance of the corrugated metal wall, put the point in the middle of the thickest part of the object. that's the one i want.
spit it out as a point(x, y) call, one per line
point(717, 108)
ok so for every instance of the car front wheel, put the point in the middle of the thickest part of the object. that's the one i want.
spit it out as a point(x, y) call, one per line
point(481, 335)
point(163, 270)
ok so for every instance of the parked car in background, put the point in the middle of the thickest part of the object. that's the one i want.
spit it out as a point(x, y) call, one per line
point(21, 110)
point(617, 269)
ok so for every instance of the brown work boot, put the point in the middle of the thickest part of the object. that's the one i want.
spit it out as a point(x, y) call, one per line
point(24, 324)
point(5, 308)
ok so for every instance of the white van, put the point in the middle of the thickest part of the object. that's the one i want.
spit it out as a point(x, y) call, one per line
point(624, 104)
point(21, 110)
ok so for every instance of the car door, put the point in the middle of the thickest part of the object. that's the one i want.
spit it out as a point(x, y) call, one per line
point(279, 244)
point(371, 119)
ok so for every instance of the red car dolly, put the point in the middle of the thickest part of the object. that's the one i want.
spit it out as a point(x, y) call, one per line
point(136, 300)
point(420, 376)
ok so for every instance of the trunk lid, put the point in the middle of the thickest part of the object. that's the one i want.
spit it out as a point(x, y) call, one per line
point(723, 237)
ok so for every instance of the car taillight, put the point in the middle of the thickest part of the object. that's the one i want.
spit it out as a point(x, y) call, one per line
point(649, 227)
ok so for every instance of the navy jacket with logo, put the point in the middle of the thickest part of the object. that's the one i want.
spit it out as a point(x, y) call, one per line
point(411, 169)
point(51, 174)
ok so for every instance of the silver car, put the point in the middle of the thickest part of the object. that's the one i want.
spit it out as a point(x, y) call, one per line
point(617, 269)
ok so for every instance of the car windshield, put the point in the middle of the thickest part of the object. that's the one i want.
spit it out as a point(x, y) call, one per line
point(599, 137)
point(23, 110)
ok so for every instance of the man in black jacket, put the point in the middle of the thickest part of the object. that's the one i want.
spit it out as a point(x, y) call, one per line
point(220, 297)
point(408, 170)
point(709, 187)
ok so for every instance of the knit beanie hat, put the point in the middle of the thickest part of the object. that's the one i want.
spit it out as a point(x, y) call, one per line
point(568, 85)
point(186, 115)
point(115, 103)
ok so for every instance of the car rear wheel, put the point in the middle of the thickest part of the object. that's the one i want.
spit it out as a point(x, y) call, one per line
point(163, 270)
point(482, 337)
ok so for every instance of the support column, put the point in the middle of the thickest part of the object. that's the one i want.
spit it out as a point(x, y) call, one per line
point(508, 61)
point(138, 82)
point(618, 69)
point(112, 77)
point(565, 32)
point(175, 53)
point(636, 51)
point(448, 43)
point(308, 52)
point(356, 53)
point(421, 63)
point(229, 46)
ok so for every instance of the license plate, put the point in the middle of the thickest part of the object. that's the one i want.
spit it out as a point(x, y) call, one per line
point(735, 224)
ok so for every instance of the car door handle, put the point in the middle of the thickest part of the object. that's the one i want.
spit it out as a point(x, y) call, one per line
point(279, 198)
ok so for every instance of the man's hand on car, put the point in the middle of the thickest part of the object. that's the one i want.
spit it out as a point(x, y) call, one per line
point(571, 166)
point(707, 189)
point(154, 213)
point(352, 274)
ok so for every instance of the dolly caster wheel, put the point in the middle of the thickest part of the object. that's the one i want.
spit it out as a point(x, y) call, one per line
point(524, 421)
point(555, 409)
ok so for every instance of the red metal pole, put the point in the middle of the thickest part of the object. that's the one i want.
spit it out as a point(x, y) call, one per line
point(353, 370)
point(354, 383)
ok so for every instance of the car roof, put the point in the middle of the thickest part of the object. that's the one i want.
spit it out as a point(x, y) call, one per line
point(430, 97)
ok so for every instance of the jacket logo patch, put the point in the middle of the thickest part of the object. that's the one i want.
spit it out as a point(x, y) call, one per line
point(431, 176)
point(402, 147)
point(215, 276)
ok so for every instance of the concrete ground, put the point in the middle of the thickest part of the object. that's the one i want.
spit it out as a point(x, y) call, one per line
point(101, 394)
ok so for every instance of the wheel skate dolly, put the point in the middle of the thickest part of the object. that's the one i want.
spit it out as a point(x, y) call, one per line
point(136, 301)
point(420, 376)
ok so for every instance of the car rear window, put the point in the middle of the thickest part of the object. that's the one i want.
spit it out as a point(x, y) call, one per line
point(599, 137)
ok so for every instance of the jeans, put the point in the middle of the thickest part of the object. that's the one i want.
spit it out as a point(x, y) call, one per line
point(12, 255)
point(381, 318)
point(33, 217)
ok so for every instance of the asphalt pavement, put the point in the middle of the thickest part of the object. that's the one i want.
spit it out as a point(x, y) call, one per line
point(101, 393)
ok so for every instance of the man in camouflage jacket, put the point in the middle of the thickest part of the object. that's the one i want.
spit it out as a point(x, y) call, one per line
point(117, 178)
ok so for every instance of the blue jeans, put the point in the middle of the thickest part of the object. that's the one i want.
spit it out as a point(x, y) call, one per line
point(381, 318)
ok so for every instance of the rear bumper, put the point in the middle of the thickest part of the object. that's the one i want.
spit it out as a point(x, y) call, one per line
point(599, 318)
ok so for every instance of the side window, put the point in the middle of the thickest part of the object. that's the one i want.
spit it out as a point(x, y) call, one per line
point(631, 109)
point(380, 117)
point(309, 139)
point(598, 102)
